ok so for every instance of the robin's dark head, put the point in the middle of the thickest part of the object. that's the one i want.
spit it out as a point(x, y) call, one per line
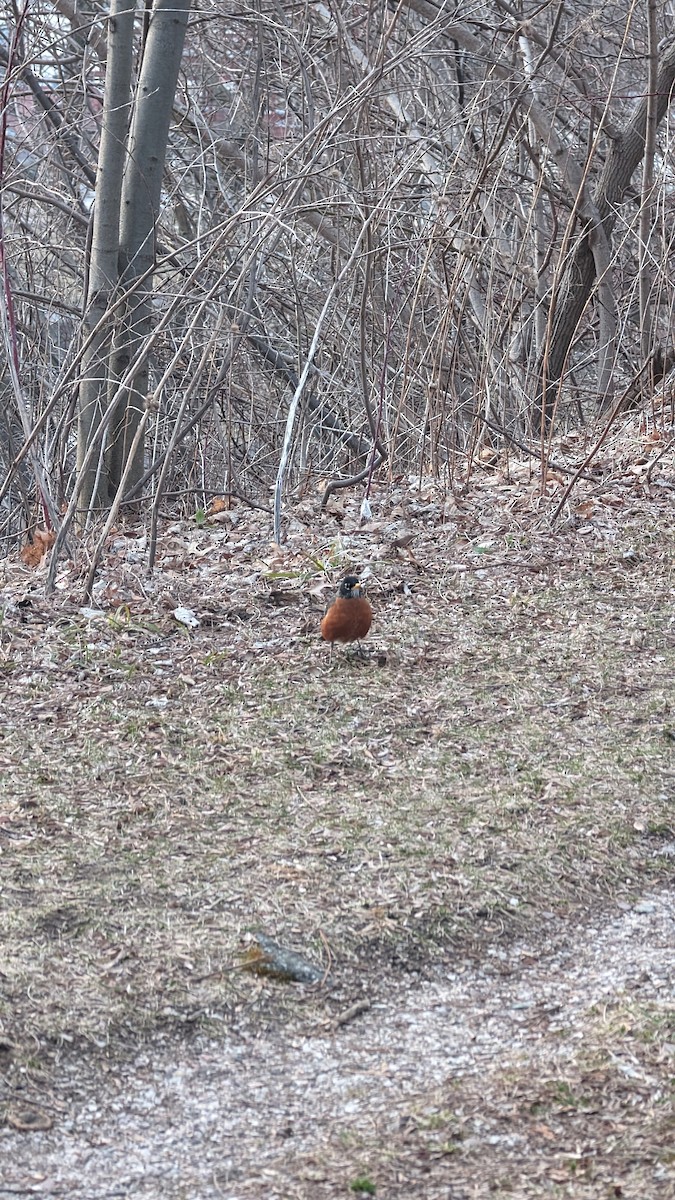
point(350, 588)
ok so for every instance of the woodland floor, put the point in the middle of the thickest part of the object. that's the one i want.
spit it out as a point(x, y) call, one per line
point(471, 832)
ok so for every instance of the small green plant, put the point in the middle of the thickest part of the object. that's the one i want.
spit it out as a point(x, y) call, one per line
point(363, 1186)
point(564, 1094)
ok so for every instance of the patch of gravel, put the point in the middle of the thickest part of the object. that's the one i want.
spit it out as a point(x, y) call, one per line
point(256, 1114)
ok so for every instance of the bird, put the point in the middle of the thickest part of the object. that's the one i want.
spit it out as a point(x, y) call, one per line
point(349, 616)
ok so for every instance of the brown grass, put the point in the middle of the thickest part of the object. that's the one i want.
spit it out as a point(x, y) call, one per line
point(504, 758)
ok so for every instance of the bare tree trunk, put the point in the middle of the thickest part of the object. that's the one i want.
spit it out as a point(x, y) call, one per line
point(104, 265)
point(141, 193)
point(626, 151)
point(646, 206)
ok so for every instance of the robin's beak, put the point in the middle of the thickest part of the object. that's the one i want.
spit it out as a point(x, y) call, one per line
point(357, 589)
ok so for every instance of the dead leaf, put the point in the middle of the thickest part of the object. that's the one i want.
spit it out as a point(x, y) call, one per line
point(33, 553)
point(586, 509)
point(29, 1120)
point(545, 1132)
point(217, 505)
point(185, 616)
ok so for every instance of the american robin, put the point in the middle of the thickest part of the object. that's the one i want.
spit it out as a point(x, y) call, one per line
point(349, 616)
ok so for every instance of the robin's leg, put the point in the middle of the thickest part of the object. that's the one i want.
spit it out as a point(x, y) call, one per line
point(359, 650)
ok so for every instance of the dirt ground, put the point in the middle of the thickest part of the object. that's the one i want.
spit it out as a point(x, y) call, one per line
point(469, 834)
point(541, 1071)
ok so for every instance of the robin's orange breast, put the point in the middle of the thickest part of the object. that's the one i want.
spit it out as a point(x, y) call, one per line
point(347, 620)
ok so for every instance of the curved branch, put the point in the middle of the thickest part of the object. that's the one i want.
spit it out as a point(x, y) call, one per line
point(625, 154)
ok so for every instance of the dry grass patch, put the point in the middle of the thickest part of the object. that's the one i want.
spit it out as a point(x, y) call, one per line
point(506, 752)
point(503, 762)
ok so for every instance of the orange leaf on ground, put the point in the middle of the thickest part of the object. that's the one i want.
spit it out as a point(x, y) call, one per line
point(33, 553)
